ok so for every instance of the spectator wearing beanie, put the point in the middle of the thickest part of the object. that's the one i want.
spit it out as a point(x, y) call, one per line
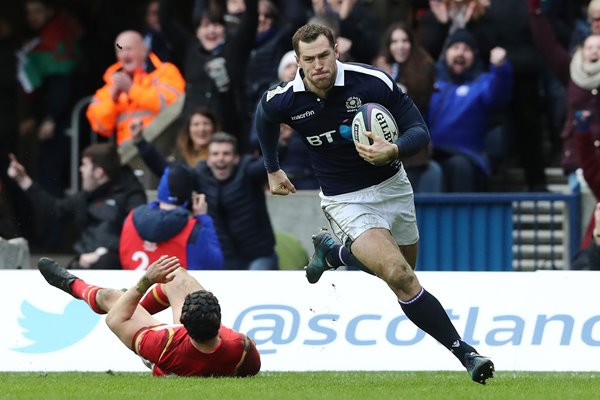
point(166, 227)
point(461, 107)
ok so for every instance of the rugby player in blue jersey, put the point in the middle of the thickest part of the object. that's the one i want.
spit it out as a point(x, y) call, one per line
point(365, 193)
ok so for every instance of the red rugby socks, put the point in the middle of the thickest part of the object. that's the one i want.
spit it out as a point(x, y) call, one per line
point(155, 300)
point(87, 293)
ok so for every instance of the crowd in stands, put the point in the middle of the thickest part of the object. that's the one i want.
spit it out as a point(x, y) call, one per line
point(499, 83)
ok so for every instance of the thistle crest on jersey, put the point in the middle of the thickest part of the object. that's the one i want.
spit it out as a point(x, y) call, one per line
point(353, 104)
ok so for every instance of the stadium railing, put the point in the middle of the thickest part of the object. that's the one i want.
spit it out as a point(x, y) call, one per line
point(497, 231)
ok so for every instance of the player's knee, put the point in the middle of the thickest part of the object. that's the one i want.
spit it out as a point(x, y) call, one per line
point(184, 281)
point(181, 277)
point(401, 277)
point(181, 274)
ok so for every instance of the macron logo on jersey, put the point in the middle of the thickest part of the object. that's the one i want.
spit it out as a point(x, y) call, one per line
point(308, 113)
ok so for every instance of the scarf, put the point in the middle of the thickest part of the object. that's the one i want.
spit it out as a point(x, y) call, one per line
point(586, 75)
point(456, 14)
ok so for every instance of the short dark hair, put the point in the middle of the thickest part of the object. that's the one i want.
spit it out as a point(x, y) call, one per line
point(309, 33)
point(201, 315)
point(214, 13)
point(105, 156)
point(224, 137)
point(204, 111)
point(273, 10)
point(185, 145)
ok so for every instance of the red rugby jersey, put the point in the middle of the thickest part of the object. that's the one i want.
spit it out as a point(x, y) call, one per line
point(170, 349)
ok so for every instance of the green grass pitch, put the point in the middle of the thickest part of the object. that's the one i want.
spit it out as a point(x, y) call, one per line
point(300, 385)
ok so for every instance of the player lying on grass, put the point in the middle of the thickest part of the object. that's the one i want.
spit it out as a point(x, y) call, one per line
point(196, 344)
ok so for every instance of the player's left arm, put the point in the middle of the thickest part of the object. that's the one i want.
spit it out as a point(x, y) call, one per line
point(125, 318)
point(380, 152)
point(413, 134)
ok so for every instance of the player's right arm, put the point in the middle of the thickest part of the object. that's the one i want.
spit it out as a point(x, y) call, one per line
point(268, 137)
point(125, 318)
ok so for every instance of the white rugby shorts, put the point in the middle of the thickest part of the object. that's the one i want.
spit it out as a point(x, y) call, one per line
point(389, 205)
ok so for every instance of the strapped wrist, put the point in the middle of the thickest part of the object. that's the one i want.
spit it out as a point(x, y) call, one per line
point(143, 285)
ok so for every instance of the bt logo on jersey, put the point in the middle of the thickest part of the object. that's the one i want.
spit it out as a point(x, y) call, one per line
point(321, 138)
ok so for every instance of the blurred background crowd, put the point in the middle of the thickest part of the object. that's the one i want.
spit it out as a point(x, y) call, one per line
point(500, 83)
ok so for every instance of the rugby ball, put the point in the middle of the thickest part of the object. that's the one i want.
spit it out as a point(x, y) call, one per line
point(375, 118)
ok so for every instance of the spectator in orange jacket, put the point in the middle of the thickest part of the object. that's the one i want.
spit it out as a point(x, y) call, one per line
point(138, 86)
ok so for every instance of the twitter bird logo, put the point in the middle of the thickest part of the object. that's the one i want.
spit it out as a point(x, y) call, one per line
point(52, 332)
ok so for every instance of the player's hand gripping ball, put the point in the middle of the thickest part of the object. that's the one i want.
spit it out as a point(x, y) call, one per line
point(375, 118)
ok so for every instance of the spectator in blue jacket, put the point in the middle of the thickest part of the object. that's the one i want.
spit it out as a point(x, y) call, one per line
point(460, 109)
point(166, 227)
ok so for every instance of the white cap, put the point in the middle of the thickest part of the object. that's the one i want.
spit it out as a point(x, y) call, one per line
point(287, 59)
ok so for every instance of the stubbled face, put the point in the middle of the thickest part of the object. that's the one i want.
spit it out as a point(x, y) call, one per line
point(201, 130)
point(591, 49)
point(37, 14)
point(222, 160)
point(131, 51)
point(317, 59)
point(459, 58)
point(89, 174)
point(211, 34)
point(399, 46)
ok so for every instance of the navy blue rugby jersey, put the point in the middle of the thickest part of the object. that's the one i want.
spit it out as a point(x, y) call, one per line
point(338, 167)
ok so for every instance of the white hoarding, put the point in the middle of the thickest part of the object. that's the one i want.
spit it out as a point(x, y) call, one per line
point(533, 321)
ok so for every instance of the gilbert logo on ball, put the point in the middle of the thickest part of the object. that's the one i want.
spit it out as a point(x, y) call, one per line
point(375, 118)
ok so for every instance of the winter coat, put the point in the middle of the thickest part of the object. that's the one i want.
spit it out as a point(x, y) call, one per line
point(153, 90)
point(459, 110)
point(578, 98)
point(239, 209)
point(98, 214)
point(150, 232)
point(214, 79)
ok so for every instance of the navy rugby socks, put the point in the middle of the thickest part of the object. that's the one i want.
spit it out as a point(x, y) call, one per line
point(426, 312)
point(340, 255)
